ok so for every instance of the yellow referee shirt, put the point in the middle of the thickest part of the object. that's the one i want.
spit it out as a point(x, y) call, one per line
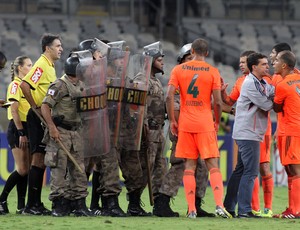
point(14, 93)
point(40, 77)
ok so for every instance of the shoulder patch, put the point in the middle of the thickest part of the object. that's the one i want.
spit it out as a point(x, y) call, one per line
point(36, 75)
point(14, 88)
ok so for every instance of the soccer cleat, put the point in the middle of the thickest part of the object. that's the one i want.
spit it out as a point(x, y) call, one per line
point(288, 214)
point(256, 213)
point(267, 213)
point(96, 211)
point(220, 211)
point(192, 215)
point(3, 208)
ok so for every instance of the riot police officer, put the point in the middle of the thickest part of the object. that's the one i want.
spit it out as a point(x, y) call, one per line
point(63, 121)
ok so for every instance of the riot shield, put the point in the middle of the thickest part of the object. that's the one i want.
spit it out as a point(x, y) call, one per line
point(134, 101)
point(93, 106)
point(116, 72)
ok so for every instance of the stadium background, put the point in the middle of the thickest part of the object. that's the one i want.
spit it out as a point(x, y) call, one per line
point(230, 26)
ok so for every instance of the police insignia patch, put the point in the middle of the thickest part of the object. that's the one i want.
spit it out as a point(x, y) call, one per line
point(51, 92)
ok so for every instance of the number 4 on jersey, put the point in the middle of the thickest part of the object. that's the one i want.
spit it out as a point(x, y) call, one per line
point(193, 89)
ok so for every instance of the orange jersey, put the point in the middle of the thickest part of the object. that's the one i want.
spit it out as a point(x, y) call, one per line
point(288, 93)
point(196, 80)
point(236, 90)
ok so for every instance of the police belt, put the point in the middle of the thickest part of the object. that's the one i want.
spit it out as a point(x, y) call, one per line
point(68, 126)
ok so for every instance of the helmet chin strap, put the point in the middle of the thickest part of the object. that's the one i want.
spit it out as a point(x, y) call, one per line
point(157, 70)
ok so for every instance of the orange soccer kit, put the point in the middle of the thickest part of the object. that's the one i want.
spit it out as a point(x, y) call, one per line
point(196, 132)
point(288, 93)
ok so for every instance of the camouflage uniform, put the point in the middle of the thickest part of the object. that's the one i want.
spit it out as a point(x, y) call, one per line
point(154, 140)
point(61, 99)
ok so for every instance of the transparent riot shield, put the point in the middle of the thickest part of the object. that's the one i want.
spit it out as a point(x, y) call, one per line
point(93, 106)
point(115, 81)
point(134, 101)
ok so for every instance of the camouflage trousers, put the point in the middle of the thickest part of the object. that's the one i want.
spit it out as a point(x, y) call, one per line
point(107, 166)
point(173, 179)
point(66, 180)
point(134, 168)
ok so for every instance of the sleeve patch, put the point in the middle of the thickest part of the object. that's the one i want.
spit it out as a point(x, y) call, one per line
point(51, 92)
point(36, 75)
point(14, 88)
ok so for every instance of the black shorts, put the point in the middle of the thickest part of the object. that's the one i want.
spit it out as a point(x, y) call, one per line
point(35, 133)
point(13, 135)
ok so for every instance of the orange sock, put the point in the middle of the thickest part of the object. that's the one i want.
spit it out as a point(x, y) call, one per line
point(216, 183)
point(268, 186)
point(295, 193)
point(189, 183)
point(255, 195)
point(291, 202)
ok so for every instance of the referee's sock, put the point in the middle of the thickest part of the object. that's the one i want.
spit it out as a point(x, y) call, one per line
point(12, 180)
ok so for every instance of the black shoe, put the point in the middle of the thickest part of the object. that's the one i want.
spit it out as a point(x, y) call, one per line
point(200, 211)
point(111, 207)
point(135, 205)
point(3, 208)
point(232, 213)
point(81, 209)
point(37, 210)
point(203, 213)
point(162, 207)
point(247, 215)
point(96, 211)
point(137, 210)
point(60, 207)
point(20, 211)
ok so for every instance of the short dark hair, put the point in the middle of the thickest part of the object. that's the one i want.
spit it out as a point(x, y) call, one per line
point(253, 59)
point(281, 47)
point(288, 58)
point(247, 53)
point(47, 40)
point(200, 46)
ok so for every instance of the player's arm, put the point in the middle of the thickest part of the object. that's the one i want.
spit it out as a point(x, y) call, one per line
point(27, 93)
point(170, 109)
point(277, 107)
point(217, 107)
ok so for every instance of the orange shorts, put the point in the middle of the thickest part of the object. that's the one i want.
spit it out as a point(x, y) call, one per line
point(265, 149)
point(191, 145)
point(291, 150)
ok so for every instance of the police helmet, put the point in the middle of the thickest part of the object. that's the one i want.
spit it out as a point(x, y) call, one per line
point(71, 65)
point(86, 45)
point(94, 45)
point(185, 50)
point(154, 50)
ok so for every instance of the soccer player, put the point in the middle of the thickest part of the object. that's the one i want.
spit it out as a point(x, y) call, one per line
point(287, 101)
point(196, 130)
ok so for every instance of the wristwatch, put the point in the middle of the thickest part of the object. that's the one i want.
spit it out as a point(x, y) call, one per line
point(21, 132)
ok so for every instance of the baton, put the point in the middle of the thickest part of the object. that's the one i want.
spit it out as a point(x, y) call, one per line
point(59, 142)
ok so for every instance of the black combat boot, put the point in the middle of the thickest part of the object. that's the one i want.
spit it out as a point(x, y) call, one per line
point(110, 207)
point(162, 207)
point(134, 206)
point(60, 207)
point(81, 209)
point(200, 211)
